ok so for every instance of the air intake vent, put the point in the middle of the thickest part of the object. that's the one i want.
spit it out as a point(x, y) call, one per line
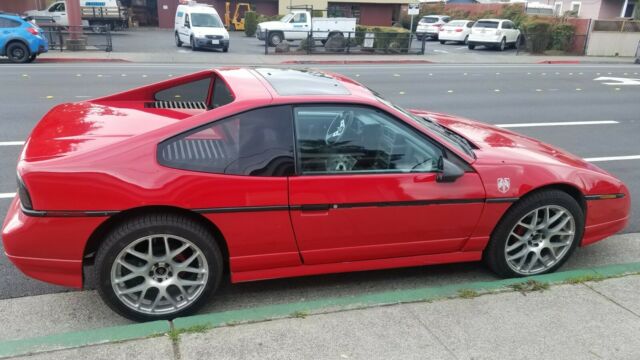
point(176, 105)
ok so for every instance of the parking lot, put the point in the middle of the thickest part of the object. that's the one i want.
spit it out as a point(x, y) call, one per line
point(162, 41)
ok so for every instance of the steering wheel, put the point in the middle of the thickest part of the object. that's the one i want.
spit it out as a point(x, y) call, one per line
point(338, 127)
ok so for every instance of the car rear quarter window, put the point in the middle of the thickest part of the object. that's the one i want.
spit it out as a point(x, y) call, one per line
point(487, 24)
point(8, 23)
point(428, 20)
point(198, 91)
point(255, 143)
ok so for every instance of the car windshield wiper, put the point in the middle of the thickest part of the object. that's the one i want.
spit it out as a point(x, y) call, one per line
point(453, 136)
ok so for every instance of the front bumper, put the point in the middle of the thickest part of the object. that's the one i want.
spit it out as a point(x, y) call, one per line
point(49, 249)
point(605, 217)
point(261, 35)
point(207, 43)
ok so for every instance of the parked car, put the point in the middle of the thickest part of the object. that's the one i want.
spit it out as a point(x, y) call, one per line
point(272, 173)
point(200, 26)
point(429, 26)
point(96, 14)
point(456, 30)
point(495, 33)
point(20, 40)
point(297, 25)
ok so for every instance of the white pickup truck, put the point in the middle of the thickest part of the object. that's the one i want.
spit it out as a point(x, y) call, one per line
point(94, 13)
point(298, 24)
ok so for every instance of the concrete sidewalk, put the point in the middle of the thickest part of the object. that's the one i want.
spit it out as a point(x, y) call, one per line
point(217, 59)
point(584, 319)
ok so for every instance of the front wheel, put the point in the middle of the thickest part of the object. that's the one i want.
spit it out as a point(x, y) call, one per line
point(536, 236)
point(471, 46)
point(178, 41)
point(442, 42)
point(158, 266)
point(275, 38)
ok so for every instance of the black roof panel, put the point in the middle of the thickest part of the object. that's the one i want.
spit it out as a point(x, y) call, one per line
point(290, 82)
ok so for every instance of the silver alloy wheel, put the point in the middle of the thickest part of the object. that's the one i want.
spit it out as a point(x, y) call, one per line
point(159, 274)
point(540, 239)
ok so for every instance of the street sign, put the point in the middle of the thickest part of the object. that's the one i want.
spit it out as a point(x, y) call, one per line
point(414, 9)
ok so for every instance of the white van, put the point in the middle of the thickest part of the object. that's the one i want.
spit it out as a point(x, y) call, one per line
point(200, 26)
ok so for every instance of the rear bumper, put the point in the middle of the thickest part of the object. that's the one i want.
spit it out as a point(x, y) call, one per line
point(428, 34)
point(49, 249)
point(485, 43)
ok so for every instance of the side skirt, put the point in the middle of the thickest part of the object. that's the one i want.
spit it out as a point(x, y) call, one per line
point(378, 264)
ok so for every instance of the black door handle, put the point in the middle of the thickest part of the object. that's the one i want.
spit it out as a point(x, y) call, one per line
point(315, 207)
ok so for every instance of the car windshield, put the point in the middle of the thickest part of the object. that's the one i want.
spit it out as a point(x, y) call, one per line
point(450, 136)
point(286, 18)
point(486, 24)
point(428, 20)
point(205, 20)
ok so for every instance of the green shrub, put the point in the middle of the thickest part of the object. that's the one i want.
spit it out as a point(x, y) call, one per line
point(264, 18)
point(250, 23)
point(515, 13)
point(387, 38)
point(538, 35)
point(562, 37)
point(306, 44)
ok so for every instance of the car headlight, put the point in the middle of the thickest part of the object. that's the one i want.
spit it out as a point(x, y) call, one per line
point(23, 195)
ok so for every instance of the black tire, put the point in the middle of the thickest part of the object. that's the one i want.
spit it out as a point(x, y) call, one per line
point(18, 53)
point(494, 254)
point(192, 43)
point(225, 49)
point(471, 46)
point(275, 38)
point(503, 44)
point(442, 42)
point(32, 58)
point(178, 41)
point(131, 230)
point(232, 27)
point(466, 40)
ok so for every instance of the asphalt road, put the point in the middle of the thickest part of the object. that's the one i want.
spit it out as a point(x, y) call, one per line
point(526, 95)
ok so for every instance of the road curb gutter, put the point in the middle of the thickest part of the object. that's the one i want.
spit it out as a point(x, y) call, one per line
point(82, 338)
point(299, 309)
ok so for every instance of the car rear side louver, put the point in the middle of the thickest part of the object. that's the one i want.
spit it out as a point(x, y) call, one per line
point(176, 105)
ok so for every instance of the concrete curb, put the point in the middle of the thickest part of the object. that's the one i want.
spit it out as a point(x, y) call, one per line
point(264, 313)
point(79, 60)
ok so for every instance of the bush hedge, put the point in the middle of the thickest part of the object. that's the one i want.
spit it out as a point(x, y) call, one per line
point(562, 37)
point(387, 38)
point(250, 23)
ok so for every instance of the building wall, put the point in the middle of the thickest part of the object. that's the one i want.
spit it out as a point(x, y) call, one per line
point(370, 4)
point(20, 6)
point(589, 9)
point(610, 9)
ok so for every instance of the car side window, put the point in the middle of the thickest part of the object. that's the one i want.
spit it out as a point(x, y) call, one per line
point(187, 23)
point(255, 143)
point(353, 139)
point(300, 18)
point(506, 25)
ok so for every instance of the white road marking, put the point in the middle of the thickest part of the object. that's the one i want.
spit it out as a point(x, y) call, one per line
point(618, 81)
point(11, 143)
point(558, 123)
point(7, 195)
point(613, 158)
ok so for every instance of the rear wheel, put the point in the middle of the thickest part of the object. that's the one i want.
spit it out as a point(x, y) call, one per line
point(225, 49)
point(466, 40)
point(503, 44)
point(536, 236)
point(18, 52)
point(158, 266)
point(442, 42)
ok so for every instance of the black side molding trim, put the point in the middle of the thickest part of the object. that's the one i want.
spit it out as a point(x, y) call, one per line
point(241, 209)
point(603, 196)
point(68, 213)
point(502, 200)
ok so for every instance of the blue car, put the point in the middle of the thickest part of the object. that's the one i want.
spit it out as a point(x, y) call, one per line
point(20, 40)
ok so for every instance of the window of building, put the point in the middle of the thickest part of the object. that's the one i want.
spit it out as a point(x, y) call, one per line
point(575, 8)
point(256, 143)
point(344, 139)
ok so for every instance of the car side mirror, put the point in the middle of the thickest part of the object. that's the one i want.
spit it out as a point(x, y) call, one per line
point(449, 172)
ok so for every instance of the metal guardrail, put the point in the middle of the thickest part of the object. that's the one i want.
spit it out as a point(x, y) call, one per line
point(69, 38)
point(356, 42)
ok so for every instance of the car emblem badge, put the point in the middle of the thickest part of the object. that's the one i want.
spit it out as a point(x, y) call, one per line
point(504, 184)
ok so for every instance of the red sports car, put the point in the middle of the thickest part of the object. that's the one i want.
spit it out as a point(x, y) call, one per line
point(270, 173)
